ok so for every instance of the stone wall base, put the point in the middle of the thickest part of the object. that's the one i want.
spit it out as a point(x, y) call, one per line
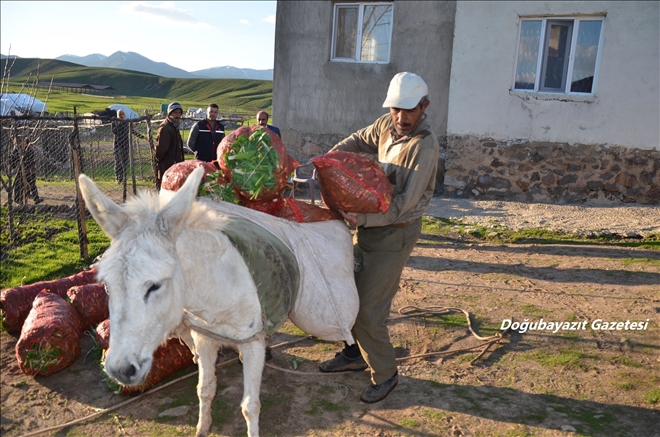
point(550, 172)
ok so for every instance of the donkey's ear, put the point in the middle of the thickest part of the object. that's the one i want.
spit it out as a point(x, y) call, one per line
point(107, 213)
point(171, 217)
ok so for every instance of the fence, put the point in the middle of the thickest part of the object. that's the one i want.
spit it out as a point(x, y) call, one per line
point(41, 159)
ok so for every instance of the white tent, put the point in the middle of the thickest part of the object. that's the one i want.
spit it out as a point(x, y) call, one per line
point(129, 112)
point(20, 104)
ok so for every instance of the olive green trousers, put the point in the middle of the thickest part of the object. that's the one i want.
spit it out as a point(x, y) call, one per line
point(380, 255)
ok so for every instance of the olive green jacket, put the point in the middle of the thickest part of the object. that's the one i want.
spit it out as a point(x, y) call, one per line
point(409, 162)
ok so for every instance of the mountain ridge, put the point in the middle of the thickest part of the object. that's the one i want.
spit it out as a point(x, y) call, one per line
point(136, 62)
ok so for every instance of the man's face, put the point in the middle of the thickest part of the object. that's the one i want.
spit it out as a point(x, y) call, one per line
point(406, 120)
point(262, 119)
point(175, 115)
point(121, 115)
point(212, 113)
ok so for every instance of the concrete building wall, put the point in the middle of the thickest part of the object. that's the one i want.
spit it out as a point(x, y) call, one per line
point(317, 102)
point(547, 147)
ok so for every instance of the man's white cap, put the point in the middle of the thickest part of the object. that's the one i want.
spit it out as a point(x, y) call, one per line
point(405, 91)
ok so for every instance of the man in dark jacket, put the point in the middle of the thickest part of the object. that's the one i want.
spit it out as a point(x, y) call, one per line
point(25, 163)
point(121, 145)
point(169, 144)
point(205, 135)
point(262, 119)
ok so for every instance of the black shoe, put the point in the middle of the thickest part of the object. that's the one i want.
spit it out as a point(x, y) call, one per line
point(378, 392)
point(38, 200)
point(341, 363)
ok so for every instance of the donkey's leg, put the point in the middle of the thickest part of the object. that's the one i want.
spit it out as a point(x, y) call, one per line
point(254, 354)
point(207, 352)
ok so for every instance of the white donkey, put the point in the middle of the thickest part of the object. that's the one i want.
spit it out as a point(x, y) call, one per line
point(196, 269)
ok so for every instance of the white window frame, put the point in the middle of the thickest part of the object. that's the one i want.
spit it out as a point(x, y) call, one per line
point(542, 49)
point(358, 39)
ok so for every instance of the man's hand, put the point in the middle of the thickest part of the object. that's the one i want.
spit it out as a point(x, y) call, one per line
point(350, 217)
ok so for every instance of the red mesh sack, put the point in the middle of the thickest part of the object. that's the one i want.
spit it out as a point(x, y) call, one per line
point(17, 302)
point(302, 212)
point(103, 334)
point(352, 182)
point(257, 172)
point(168, 359)
point(91, 302)
point(175, 176)
point(271, 207)
point(50, 337)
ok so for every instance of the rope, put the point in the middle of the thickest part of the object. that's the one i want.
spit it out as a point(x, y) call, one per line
point(406, 312)
point(140, 396)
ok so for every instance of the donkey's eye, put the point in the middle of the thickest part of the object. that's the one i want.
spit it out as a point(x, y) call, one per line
point(153, 287)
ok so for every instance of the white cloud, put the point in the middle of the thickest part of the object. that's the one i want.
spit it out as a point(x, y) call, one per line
point(270, 19)
point(165, 11)
point(244, 21)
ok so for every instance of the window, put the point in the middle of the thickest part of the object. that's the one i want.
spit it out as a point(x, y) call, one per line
point(558, 55)
point(362, 32)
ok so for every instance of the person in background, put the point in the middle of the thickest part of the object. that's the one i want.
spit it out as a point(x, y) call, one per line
point(205, 135)
point(262, 119)
point(169, 144)
point(408, 151)
point(24, 161)
point(121, 145)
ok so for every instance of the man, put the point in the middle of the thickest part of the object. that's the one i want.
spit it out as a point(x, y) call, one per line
point(205, 135)
point(24, 161)
point(408, 151)
point(121, 145)
point(262, 119)
point(169, 144)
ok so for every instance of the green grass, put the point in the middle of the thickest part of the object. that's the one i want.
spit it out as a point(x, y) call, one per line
point(653, 396)
point(47, 248)
point(458, 230)
point(565, 358)
point(135, 89)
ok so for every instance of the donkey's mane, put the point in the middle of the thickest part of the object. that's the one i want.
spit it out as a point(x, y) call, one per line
point(147, 204)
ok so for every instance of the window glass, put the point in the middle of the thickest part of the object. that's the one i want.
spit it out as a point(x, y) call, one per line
point(346, 32)
point(586, 49)
point(556, 56)
point(376, 30)
point(528, 54)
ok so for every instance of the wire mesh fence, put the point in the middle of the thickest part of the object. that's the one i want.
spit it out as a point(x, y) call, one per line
point(40, 160)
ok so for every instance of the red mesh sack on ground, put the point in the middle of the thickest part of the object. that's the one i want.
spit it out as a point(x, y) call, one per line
point(303, 212)
point(256, 162)
point(352, 182)
point(91, 302)
point(168, 359)
point(175, 176)
point(17, 302)
point(103, 334)
point(50, 337)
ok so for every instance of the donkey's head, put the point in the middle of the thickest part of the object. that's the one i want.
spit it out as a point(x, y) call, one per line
point(142, 273)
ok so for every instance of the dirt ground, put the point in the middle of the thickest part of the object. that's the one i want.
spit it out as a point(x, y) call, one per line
point(588, 381)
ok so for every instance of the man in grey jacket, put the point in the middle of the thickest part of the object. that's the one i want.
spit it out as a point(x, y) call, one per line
point(408, 151)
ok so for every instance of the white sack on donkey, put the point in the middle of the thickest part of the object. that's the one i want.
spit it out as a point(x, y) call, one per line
point(181, 267)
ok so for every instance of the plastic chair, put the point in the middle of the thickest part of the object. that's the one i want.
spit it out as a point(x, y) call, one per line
point(305, 174)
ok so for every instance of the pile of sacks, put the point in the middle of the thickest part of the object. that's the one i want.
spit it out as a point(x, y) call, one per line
point(253, 167)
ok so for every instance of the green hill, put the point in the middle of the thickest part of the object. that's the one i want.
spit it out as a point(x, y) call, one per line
point(136, 89)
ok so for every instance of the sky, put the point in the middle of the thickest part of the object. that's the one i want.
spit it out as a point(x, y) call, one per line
point(188, 35)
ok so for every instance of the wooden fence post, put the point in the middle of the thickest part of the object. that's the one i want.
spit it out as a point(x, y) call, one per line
point(80, 203)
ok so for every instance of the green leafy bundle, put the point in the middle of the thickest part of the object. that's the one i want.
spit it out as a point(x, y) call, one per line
point(253, 163)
